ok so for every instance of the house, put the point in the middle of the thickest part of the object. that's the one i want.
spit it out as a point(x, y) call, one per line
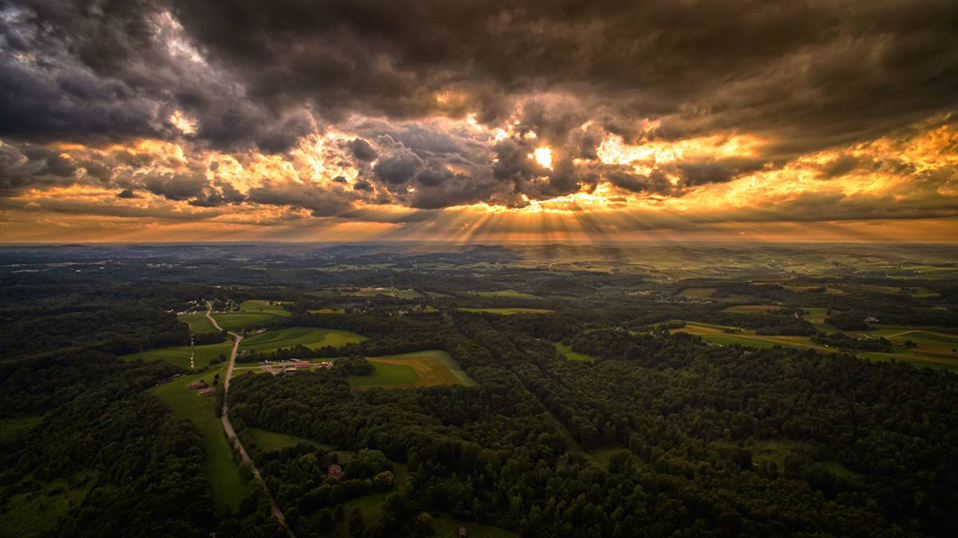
point(871, 320)
point(325, 364)
point(208, 391)
point(301, 364)
point(197, 385)
point(336, 471)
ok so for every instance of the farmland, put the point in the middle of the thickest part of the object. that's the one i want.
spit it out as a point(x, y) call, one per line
point(299, 336)
point(227, 484)
point(418, 369)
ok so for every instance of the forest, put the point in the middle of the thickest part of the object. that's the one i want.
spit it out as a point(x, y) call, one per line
point(605, 403)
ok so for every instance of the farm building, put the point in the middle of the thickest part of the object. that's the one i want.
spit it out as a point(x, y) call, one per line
point(197, 385)
point(301, 364)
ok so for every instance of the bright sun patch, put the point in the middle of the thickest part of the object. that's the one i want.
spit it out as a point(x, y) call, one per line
point(543, 156)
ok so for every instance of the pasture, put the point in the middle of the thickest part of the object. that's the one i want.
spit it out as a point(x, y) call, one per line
point(506, 293)
point(251, 312)
point(417, 369)
point(310, 337)
point(198, 322)
point(227, 485)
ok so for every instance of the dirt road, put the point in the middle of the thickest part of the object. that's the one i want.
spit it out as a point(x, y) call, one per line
point(231, 434)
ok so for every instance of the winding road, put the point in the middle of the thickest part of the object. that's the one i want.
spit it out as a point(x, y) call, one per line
point(231, 434)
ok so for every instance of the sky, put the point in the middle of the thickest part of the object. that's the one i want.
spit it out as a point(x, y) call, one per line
point(478, 120)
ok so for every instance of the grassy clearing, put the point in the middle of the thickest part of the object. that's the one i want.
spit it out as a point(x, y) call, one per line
point(780, 449)
point(698, 293)
point(198, 322)
point(264, 307)
point(34, 514)
point(388, 292)
point(233, 321)
point(573, 355)
point(509, 311)
point(226, 482)
point(419, 369)
point(180, 356)
point(270, 441)
point(327, 311)
point(506, 293)
point(752, 308)
point(306, 336)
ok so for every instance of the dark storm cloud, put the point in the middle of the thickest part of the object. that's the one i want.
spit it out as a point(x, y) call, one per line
point(805, 76)
point(362, 150)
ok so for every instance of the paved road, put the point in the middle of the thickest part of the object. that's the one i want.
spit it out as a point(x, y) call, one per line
point(274, 508)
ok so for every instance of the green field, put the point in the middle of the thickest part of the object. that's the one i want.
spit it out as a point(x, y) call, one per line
point(270, 441)
point(417, 369)
point(935, 349)
point(506, 293)
point(567, 351)
point(251, 312)
point(386, 375)
point(198, 322)
point(508, 311)
point(232, 321)
point(310, 337)
point(180, 356)
point(226, 482)
point(264, 307)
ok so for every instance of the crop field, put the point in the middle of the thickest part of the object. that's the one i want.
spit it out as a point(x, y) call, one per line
point(573, 355)
point(709, 294)
point(198, 322)
point(418, 369)
point(227, 484)
point(306, 336)
point(180, 356)
point(509, 311)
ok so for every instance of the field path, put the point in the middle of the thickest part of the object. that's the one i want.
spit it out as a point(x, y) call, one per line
point(231, 434)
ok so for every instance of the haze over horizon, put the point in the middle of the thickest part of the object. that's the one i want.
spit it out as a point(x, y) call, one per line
point(175, 121)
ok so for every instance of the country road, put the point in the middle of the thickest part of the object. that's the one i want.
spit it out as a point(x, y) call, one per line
point(228, 427)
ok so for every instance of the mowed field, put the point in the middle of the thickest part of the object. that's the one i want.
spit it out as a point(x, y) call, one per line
point(509, 311)
point(227, 484)
point(252, 312)
point(937, 348)
point(310, 337)
point(198, 322)
point(418, 369)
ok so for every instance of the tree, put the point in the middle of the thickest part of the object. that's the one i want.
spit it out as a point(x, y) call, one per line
point(356, 524)
point(425, 525)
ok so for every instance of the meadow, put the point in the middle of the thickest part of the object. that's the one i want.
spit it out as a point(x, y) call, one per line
point(227, 484)
point(569, 354)
point(198, 322)
point(251, 312)
point(417, 369)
